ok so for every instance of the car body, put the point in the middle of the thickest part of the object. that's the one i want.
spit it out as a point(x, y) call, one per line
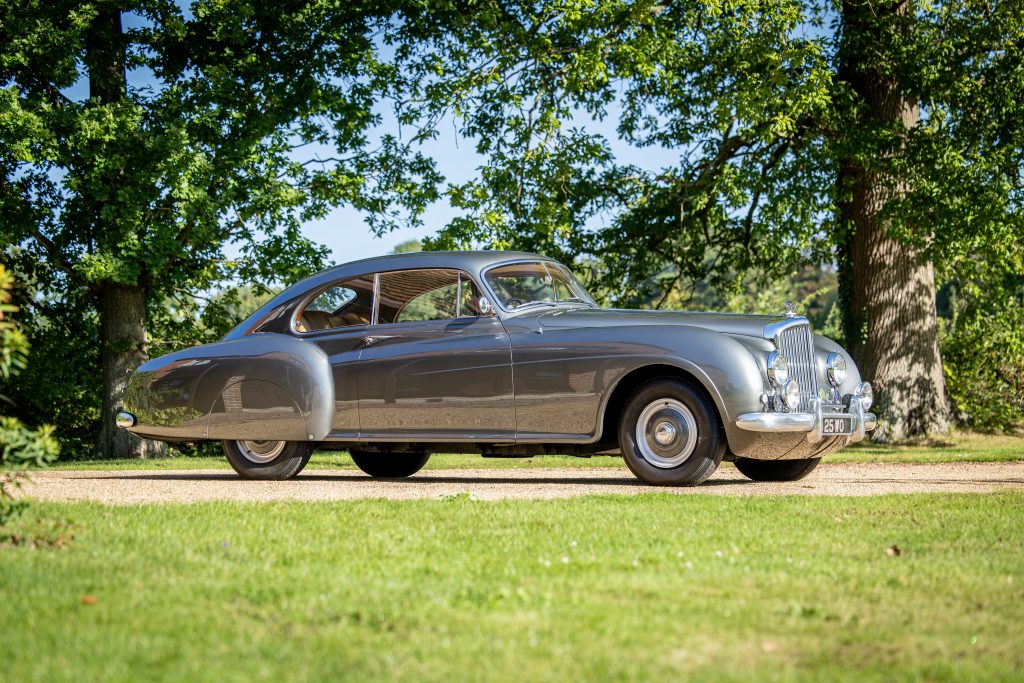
point(440, 351)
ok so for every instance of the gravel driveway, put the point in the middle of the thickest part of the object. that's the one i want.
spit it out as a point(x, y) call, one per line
point(126, 487)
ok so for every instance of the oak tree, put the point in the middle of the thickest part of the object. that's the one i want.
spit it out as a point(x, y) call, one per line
point(884, 136)
point(151, 151)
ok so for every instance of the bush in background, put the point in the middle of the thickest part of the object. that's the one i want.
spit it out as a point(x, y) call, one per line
point(21, 448)
point(983, 359)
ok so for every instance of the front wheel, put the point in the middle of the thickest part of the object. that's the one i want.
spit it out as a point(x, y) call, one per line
point(267, 459)
point(389, 465)
point(670, 435)
point(776, 470)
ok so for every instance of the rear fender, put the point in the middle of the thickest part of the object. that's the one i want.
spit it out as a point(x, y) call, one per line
point(270, 386)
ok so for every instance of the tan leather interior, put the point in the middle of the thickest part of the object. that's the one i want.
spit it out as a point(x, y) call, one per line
point(311, 321)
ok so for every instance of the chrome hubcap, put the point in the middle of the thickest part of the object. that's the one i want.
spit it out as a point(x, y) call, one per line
point(666, 433)
point(260, 452)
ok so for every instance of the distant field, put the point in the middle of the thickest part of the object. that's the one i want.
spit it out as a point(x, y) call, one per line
point(630, 588)
point(956, 448)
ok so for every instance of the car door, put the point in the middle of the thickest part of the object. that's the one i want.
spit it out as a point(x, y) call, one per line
point(337, 319)
point(432, 367)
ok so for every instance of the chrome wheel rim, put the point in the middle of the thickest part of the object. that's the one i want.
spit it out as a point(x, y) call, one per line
point(666, 433)
point(260, 452)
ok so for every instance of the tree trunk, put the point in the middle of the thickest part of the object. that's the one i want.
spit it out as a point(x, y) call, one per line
point(122, 307)
point(122, 349)
point(888, 289)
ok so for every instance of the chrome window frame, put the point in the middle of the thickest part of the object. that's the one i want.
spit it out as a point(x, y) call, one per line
point(511, 311)
point(375, 320)
point(480, 282)
point(305, 301)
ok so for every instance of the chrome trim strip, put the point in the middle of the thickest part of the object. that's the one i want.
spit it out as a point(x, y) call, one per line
point(860, 421)
point(816, 434)
point(458, 297)
point(775, 422)
point(809, 422)
point(376, 299)
point(777, 327)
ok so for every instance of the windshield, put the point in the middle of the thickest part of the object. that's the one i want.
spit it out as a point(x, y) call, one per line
point(519, 285)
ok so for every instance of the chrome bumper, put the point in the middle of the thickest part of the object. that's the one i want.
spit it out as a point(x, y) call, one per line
point(809, 423)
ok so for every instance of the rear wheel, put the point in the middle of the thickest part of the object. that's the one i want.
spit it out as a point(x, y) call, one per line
point(776, 470)
point(389, 465)
point(670, 435)
point(267, 459)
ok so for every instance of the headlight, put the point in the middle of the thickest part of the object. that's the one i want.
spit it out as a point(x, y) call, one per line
point(791, 394)
point(865, 393)
point(836, 368)
point(778, 368)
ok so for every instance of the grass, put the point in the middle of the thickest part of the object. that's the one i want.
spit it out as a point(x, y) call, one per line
point(959, 447)
point(651, 587)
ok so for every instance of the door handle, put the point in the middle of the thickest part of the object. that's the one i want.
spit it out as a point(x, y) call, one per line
point(376, 338)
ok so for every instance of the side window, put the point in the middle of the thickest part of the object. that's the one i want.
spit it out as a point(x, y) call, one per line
point(437, 304)
point(427, 294)
point(332, 300)
point(346, 303)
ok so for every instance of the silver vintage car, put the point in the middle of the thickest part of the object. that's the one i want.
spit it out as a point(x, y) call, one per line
point(506, 355)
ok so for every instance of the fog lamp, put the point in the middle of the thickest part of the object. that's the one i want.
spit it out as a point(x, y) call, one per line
point(791, 395)
point(865, 393)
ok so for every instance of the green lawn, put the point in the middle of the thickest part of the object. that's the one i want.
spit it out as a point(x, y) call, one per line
point(956, 448)
point(651, 587)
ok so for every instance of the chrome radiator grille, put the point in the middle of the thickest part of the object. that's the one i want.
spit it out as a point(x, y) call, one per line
point(797, 345)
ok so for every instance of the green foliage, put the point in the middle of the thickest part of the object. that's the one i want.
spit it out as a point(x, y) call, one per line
point(983, 354)
point(13, 343)
point(747, 94)
point(20, 448)
point(408, 246)
point(203, 138)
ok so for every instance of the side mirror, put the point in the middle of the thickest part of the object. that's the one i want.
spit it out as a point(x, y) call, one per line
point(485, 306)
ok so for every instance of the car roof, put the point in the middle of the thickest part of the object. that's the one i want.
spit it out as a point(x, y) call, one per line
point(471, 262)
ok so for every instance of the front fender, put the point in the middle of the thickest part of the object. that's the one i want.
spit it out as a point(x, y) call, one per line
point(726, 368)
point(262, 386)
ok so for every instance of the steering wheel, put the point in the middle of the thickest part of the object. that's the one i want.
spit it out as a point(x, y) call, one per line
point(514, 303)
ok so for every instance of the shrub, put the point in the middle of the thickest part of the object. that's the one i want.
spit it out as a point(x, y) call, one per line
point(983, 359)
point(20, 448)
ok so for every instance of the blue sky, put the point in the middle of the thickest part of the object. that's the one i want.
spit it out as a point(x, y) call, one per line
point(345, 231)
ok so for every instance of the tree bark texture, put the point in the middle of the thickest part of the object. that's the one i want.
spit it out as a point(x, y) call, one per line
point(122, 307)
point(888, 289)
point(122, 349)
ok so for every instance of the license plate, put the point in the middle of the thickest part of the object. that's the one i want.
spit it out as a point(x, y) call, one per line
point(836, 425)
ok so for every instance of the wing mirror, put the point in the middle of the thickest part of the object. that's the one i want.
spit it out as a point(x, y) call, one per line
point(485, 306)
